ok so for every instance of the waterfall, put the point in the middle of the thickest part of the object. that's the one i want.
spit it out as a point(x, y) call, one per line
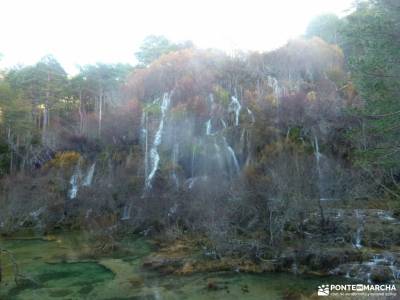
point(89, 177)
point(241, 140)
point(248, 148)
point(395, 271)
point(253, 120)
point(74, 182)
point(36, 213)
point(74, 186)
point(154, 156)
point(218, 155)
point(223, 123)
point(126, 213)
point(208, 127)
point(318, 156)
point(233, 156)
point(385, 215)
point(208, 123)
point(244, 146)
point(190, 182)
point(235, 107)
point(273, 83)
point(145, 139)
point(358, 238)
point(232, 153)
point(172, 210)
point(77, 176)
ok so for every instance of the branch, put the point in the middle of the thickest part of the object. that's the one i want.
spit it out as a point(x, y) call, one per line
point(383, 115)
point(381, 184)
point(379, 75)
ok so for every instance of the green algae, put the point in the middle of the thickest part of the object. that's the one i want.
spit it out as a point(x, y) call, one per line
point(58, 270)
point(73, 273)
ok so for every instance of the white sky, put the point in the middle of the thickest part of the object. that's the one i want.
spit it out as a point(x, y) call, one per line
point(89, 31)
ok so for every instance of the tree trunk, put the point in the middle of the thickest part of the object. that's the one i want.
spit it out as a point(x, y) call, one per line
point(82, 114)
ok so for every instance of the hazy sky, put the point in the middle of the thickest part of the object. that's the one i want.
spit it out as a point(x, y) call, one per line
point(79, 32)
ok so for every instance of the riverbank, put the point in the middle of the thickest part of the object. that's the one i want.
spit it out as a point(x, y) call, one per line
point(352, 245)
point(62, 266)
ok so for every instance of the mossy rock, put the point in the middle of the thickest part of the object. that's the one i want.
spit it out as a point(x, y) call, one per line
point(381, 274)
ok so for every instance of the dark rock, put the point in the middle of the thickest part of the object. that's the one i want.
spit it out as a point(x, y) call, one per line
point(244, 288)
point(212, 285)
point(162, 264)
point(381, 274)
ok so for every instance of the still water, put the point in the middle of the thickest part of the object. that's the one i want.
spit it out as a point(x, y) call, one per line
point(61, 267)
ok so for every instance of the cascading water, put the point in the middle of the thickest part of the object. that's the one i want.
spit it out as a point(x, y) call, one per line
point(362, 271)
point(318, 156)
point(253, 120)
point(233, 156)
point(74, 187)
point(358, 239)
point(218, 155)
point(385, 215)
point(190, 182)
point(244, 146)
point(273, 83)
point(36, 214)
point(242, 140)
point(172, 210)
point(208, 123)
point(276, 90)
point(126, 212)
point(89, 177)
point(154, 156)
point(208, 127)
point(248, 146)
point(74, 181)
point(223, 123)
point(388, 260)
point(359, 217)
point(145, 142)
point(235, 106)
point(232, 153)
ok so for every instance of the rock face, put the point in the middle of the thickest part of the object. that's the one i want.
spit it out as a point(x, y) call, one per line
point(348, 263)
point(212, 127)
point(328, 257)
